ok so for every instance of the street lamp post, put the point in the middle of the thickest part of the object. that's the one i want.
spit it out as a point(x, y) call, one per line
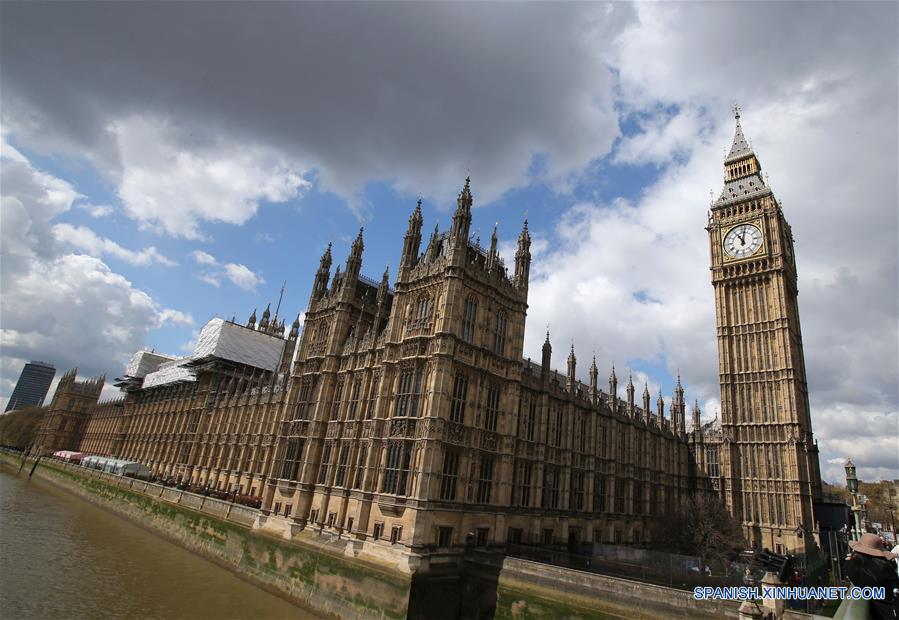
point(852, 486)
point(863, 511)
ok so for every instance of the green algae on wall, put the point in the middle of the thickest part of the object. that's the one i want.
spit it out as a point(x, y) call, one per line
point(517, 605)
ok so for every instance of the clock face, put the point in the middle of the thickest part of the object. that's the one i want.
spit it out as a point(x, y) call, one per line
point(742, 241)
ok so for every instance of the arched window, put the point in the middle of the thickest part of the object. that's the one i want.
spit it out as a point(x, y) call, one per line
point(460, 396)
point(469, 318)
point(491, 407)
point(424, 308)
point(499, 333)
point(305, 400)
point(338, 399)
point(408, 395)
point(396, 469)
point(354, 400)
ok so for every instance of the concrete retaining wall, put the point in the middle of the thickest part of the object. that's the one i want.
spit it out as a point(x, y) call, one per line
point(534, 590)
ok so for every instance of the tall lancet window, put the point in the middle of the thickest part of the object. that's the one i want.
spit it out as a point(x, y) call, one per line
point(408, 397)
point(469, 317)
point(499, 333)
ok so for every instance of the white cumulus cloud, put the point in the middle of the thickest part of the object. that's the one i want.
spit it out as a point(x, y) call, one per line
point(96, 211)
point(68, 309)
point(242, 276)
point(203, 258)
point(83, 238)
point(172, 186)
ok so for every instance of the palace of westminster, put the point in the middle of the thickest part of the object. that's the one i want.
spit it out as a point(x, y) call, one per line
point(405, 419)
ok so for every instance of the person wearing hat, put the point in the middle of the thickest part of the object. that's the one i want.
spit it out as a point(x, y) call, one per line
point(870, 566)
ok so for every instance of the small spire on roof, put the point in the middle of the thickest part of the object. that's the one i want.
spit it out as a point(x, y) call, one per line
point(740, 147)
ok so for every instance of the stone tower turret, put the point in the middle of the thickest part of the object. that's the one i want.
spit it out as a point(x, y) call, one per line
point(354, 263)
point(462, 218)
point(613, 390)
point(320, 285)
point(263, 324)
point(547, 356)
point(412, 239)
point(647, 412)
point(678, 420)
point(523, 258)
point(660, 410)
point(572, 365)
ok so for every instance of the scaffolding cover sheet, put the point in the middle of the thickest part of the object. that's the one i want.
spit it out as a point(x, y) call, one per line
point(144, 362)
point(236, 343)
point(170, 372)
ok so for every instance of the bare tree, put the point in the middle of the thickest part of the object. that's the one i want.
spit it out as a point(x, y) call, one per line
point(700, 526)
point(19, 428)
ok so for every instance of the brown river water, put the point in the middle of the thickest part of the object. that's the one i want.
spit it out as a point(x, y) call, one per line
point(63, 557)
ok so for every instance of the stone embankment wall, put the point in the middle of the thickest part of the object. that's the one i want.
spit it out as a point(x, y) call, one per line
point(310, 574)
point(534, 590)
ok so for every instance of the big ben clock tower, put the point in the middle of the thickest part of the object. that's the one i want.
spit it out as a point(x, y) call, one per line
point(769, 458)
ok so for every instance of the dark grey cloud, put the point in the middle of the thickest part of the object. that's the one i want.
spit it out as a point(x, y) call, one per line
point(408, 93)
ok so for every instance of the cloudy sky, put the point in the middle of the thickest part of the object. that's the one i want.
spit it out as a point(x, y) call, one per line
point(166, 163)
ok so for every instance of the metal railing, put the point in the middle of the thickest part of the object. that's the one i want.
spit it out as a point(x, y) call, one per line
point(231, 511)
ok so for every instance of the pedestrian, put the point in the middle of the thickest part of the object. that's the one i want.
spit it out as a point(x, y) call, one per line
point(870, 566)
point(747, 577)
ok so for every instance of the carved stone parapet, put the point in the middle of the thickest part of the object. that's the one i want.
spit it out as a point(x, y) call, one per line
point(455, 433)
point(426, 428)
point(489, 441)
point(378, 430)
point(402, 428)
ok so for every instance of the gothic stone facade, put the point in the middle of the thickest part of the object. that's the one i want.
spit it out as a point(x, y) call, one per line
point(213, 425)
point(70, 411)
point(413, 418)
point(405, 418)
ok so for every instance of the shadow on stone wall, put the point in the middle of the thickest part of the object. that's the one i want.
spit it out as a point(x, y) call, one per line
point(464, 588)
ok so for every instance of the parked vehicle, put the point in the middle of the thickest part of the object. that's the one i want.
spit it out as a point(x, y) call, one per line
point(117, 466)
point(69, 456)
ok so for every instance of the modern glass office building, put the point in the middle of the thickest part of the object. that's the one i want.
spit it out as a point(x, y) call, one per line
point(32, 387)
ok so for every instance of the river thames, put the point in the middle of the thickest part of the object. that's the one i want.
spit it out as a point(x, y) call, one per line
point(61, 556)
